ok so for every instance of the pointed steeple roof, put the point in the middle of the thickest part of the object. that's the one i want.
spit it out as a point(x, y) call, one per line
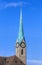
point(21, 33)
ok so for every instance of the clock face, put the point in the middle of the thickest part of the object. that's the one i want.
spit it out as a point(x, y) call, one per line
point(17, 44)
point(23, 45)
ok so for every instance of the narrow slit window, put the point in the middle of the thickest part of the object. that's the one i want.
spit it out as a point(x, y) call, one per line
point(22, 52)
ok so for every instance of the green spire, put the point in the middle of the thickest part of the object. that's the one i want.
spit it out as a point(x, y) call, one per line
point(21, 34)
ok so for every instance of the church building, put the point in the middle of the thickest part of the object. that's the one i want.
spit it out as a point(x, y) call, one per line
point(20, 57)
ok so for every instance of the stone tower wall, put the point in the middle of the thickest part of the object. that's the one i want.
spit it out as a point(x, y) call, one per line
point(18, 54)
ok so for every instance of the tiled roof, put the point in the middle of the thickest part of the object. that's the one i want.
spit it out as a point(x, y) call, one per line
point(12, 60)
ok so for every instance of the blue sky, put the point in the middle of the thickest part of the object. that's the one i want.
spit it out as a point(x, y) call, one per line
point(32, 23)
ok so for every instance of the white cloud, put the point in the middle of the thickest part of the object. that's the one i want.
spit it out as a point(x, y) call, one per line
point(38, 62)
point(12, 4)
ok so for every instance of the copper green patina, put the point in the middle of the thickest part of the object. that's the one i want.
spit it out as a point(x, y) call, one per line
point(21, 33)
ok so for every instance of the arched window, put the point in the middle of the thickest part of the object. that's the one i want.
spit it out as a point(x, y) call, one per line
point(22, 52)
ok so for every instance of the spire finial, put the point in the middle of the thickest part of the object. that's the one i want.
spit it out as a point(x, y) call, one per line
point(20, 15)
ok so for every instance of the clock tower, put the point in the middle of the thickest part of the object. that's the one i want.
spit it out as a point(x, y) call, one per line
point(20, 43)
